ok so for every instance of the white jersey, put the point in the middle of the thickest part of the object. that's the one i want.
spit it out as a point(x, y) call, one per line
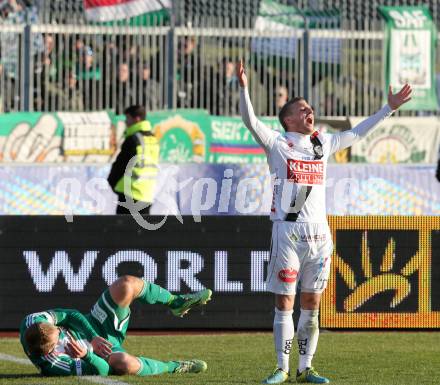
point(298, 175)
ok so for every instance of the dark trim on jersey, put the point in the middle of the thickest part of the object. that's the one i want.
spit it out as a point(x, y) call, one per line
point(317, 150)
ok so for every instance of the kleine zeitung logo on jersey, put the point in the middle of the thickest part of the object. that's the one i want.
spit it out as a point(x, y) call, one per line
point(305, 171)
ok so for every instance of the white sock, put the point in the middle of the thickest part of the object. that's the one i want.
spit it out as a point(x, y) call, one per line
point(283, 331)
point(307, 334)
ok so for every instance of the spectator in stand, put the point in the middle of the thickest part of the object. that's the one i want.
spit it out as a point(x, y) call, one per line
point(89, 75)
point(227, 98)
point(123, 92)
point(15, 12)
point(66, 98)
point(45, 73)
point(281, 97)
point(332, 106)
point(151, 90)
point(189, 75)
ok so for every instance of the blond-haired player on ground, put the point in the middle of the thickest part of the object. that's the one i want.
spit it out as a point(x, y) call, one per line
point(63, 342)
point(301, 245)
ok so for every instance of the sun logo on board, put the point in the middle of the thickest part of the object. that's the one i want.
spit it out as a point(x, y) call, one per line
point(371, 284)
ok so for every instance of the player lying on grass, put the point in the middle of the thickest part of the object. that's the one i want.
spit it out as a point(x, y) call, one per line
point(302, 245)
point(63, 342)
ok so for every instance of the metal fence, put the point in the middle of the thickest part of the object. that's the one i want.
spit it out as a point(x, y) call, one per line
point(55, 67)
point(90, 68)
point(11, 67)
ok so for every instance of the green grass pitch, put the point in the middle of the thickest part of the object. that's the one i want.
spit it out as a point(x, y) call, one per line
point(364, 358)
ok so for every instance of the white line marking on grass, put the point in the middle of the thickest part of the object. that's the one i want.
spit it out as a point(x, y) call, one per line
point(103, 380)
point(7, 357)
point(95, 379)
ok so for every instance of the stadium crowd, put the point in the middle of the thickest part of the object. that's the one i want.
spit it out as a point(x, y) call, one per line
point(83, 72)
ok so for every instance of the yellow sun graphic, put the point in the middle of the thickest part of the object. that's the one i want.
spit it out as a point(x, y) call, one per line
point(384, 281)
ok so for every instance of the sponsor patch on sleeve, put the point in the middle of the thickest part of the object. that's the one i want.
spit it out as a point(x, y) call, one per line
point(99, 313)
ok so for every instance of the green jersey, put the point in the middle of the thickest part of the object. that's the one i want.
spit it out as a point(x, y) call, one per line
point(72, 325)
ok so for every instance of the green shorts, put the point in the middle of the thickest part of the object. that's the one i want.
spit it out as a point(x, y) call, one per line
point(106, 322)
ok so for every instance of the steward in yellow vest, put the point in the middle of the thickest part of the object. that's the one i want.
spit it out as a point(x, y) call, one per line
point(134, 172)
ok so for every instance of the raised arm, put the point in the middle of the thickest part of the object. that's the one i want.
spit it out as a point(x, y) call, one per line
point(261, 133)
point(348, 138)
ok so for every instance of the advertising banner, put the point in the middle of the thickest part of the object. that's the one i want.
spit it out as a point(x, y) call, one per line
point(385, 270)
point(30, 137)
point(217, 189)
point(48, 263)
point(36, 137)
point(194, 136)
point(399, 140)
point(385, 273)
point(232, 142)
point(410, 43)
point(183, 135)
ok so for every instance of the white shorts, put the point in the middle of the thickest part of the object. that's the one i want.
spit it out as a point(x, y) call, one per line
point(300, 252)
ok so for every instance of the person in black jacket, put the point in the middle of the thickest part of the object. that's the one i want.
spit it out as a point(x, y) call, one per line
point(133, 174)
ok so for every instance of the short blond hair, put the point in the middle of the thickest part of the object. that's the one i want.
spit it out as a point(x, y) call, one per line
point(39, 338)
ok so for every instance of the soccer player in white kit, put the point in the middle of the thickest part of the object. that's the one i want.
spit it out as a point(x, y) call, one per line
point(301, 244)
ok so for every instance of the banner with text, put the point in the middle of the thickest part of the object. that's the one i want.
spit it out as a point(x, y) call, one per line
point(385, 270)
point(232, 142)
point(410, 45)
point(399, 140)
point(194, 136)
point(36, 137)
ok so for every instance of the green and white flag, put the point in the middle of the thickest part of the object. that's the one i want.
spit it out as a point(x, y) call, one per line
point(127, 12)
point(410, 42)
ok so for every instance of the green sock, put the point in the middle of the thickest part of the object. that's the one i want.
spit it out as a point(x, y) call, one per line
point(152, 294)
point(151, 367)
point(121, 312)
